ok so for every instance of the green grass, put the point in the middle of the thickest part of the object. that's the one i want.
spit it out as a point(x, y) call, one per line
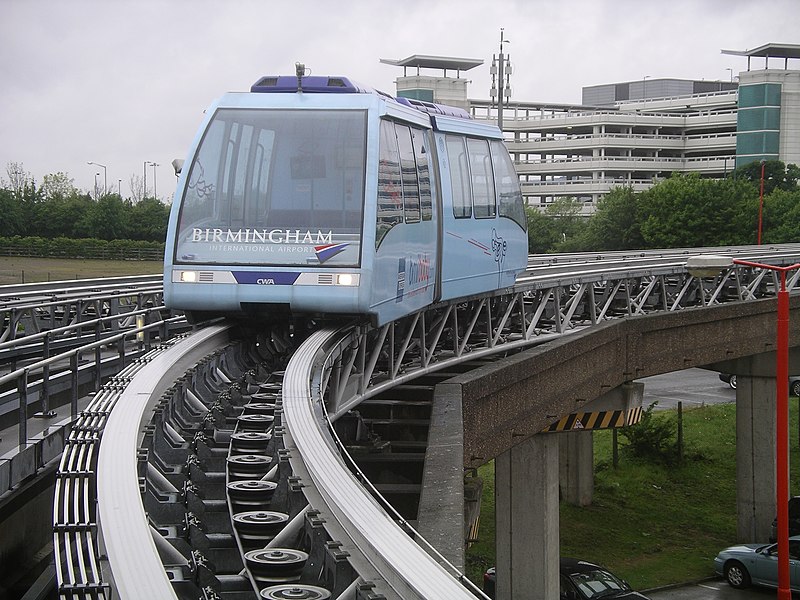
point(652, 524)
point(15, 269)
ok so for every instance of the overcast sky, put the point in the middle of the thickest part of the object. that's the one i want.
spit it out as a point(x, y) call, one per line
point(121, 82)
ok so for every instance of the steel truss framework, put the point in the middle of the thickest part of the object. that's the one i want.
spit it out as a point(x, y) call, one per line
point(367, 360)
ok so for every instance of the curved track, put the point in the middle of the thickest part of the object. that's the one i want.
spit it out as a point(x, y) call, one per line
point(403, 565)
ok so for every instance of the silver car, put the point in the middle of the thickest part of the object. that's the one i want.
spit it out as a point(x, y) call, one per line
point(757, 564)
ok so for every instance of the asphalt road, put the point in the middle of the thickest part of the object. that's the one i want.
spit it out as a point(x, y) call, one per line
point(692, 387)
point(716, 589)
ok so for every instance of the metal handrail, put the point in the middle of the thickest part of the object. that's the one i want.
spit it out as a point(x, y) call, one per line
point(21, 375)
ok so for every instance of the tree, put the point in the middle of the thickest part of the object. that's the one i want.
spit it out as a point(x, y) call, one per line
point(58, 185)
point(781, 217)
point(542, 235)
point(138, 190)
point(11, 218)
point(615, 224)
point(568, 221)
point(777, 175)
point(107, 219)
point(687, 211)
point(64, 217)
point(148, 220)
point(18, 177)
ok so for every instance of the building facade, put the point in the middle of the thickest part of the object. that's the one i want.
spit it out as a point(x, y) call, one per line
point(638, 132)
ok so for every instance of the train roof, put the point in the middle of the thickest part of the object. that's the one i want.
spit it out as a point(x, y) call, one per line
point(321, 84)
point(312, 84)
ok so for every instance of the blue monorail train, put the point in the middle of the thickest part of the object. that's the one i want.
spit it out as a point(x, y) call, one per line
point(313, 195)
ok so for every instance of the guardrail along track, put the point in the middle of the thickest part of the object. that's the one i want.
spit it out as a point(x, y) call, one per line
point(32, 308)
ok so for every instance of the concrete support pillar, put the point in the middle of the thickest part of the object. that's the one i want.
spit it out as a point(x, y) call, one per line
point(755, 457)
point(526, 505)
point(576, 447)
point(576, 467)
point(441, 502)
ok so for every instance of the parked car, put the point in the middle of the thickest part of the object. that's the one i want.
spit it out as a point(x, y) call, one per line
point(756, 564)
point(794, 520)
point(580, 580)
point(794, 383)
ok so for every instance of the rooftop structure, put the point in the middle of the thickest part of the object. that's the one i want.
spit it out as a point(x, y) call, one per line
point(767, 51)
point(442, 89)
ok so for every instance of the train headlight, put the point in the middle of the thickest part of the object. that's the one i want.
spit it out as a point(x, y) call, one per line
point(188, 276)
point(345, 279)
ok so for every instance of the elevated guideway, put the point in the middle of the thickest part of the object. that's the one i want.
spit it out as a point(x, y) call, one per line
point(560, 297)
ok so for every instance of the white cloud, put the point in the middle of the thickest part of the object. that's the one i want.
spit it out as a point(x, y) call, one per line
point(125, 82)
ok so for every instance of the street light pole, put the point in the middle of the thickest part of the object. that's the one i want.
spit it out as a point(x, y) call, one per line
point(761, 202)
point(105, 176)
point(154, 165)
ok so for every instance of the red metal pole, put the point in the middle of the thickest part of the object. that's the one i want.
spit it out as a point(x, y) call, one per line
point(782, 425)
point(761, 203)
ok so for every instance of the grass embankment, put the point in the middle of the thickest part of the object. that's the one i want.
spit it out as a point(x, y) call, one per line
point(14, 269)
point(652, 524)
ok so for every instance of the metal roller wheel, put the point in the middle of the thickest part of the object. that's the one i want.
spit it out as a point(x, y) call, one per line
point(259, 408)
point(277, 564)
point(270, 386)
point(295, 592)
point(255, 422)
point(266, 396)
point(259, 525)
point(250, 494)
point(250, 442)
point(248, 466)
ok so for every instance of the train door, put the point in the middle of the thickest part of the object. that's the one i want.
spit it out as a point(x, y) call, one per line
point(406, 241)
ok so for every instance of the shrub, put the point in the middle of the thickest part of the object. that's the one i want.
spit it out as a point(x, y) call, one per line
point(653, 437)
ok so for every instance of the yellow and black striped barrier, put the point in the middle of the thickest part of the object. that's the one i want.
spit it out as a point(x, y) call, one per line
point(603, 419)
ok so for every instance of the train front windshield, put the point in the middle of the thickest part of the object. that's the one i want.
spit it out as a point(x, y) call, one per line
point(275, 187)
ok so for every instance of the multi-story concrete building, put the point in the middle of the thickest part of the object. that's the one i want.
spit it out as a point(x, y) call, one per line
point(635, 133)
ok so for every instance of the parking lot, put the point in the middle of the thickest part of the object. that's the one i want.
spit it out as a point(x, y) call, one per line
point(715, 589)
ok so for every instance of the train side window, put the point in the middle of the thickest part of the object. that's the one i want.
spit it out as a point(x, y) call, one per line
point(419, 137)
point(408, 168)
point(480, 162)
point(459, 177)
point(390, 184)
point(509, 195)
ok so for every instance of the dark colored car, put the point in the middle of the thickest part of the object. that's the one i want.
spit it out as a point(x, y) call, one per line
point(794, 383)
point(794, 520)
point(580, 580)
